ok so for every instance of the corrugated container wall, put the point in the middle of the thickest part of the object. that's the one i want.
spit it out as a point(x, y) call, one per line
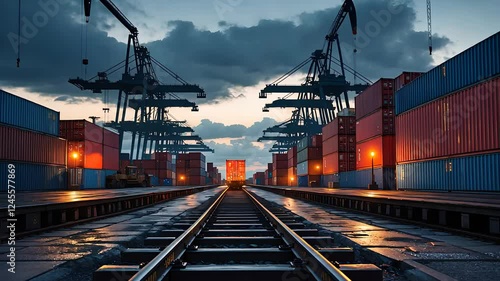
point(473, 65)
point(34, 177)
point(470, 173)
point(25, 114)
point(86, 154)
point(378, 95)
point(339, 126)
point(330, 180)
point(339, 162)
point(313, 153)
point(311, 181)
point(405, 78)
point(235, 170)
point(28, 146)
point(311, 168)
point(381, 122)
point(339, 143)
point(465, 122)
point(384, 177)
point(383, 148)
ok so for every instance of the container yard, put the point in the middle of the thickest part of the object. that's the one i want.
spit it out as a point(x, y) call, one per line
point(268, 140)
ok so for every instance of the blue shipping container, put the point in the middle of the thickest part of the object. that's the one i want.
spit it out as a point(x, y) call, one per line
point(480, 62)
point(153, 180)
point(330, 180)
point(304, 143)
point(303, 181)
point(302, 168)
point(93, 179)
point(34, 177)
point(168, 182)
point(22, 113)
point(384, 177)
point(470, 173)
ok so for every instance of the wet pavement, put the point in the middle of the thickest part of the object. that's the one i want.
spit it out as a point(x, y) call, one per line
point(421, 253)
point(74, 253)
point(51, 197)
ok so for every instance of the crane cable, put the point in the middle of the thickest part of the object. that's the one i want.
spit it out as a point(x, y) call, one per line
point(19, 35)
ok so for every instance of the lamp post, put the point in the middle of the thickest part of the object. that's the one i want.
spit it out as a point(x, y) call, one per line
point(373, 184)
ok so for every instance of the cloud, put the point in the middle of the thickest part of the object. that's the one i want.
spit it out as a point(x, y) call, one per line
point(213, 130)
point(217, 61)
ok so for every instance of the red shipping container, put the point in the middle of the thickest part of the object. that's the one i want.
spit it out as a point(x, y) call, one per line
point(339, 143)
point(317, 140)
point(292, 153)
point(292, 176)
point(235, 170)
point(384, 149)
point(280, 181)
point(381, 122)
point(184, 156)
point(162, 156)
point(110, 158)
point(378, 95)
point(28, 146)
point(463, 123)
point(270, 167)
point(312, 153)
point(80, 130)
point(280, 165)
point(197, 156)
point(111, 139)
point(210, 167)
point(197, 180)
point(339, 162)
point(292, 162)
point(280, 173)
point(342, 125)
point(279, 157)
point(196, 164)
point(86, 154)
point(405, 78)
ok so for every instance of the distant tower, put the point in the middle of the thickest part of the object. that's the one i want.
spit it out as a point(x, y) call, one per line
point(93, 118)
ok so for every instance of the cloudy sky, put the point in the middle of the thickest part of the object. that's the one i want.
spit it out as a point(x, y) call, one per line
point(231, 48)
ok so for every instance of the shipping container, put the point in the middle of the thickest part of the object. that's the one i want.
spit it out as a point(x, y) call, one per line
point(22, 113)
point(280, 165)
point(34, 177)
point(311, 181)
point(292, 162)
point(28, 146)
point(312, 168)
point(210, 167)
point(279, 157)
point(339, 162)
point(339, 143)
point(81, 130)
point(313, 153)
point(280, 173)
point(405, 78)
point(197, 156)
point(330, 181)
point(162, 156)
point(88, 178)
point(110, 158)
point(235, 173)
point(480, 62)
point(379, 95)
point(339, 126)
point(317, 141)
point(85, 154)
point(465, 122)
point(383, 148)
point(292, 176)
point(292, 152)
point(184, 156)
point(384, 177)
point(280, 181)
point(196, 164)
point(111, 138)
point(381, 122)
point(468, 173)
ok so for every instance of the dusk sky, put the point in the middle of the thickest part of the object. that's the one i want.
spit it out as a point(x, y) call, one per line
point(231, 48)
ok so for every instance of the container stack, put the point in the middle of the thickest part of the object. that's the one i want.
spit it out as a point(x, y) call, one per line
point(29, 140)
point(93, 153)
point(212, 174)
point(190, 169)
point(292, 166)
point(259, 178)
point(339, 148)
point(163, 168)
point(269, 174)
point(280, 170)
point(448, 124)
point(310, 161)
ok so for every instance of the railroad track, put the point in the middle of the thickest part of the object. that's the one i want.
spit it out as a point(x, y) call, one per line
point(238, 238)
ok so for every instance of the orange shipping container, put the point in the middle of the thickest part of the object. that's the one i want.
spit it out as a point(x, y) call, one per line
point(384, 152)
point(85, 154)
point(292, 176)
point(339, 162)
point(235, 170)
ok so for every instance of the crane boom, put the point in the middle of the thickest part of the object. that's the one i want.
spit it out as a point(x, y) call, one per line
point(115, 11)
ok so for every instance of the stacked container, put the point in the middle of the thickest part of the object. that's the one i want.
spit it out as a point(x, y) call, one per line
point(448, 124)
point(190, 169)
point(339, 145)
point(212, 174)
point(292, 166)
point(29, 140)
point(310, 161)
point(375, 142)
point(280, 170)
point(163, 168)
point(259, 178)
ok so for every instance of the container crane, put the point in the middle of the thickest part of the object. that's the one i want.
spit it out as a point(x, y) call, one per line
point(151, 124)
point(322, 86)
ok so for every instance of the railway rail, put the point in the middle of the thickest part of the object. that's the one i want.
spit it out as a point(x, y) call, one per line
point(238, 237)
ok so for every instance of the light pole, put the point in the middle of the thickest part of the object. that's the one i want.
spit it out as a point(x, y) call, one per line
point(373, 184)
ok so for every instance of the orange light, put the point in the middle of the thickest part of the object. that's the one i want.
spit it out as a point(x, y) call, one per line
point(182, 177)
point(317, 167)
point(292, 178)
point(373, 153)
point(75, 155)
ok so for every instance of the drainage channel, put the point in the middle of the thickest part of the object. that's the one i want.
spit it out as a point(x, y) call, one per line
point(238, 238)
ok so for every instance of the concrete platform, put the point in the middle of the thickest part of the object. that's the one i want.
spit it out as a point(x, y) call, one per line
point(74, 253)
point(418, 253)
point(472, 212)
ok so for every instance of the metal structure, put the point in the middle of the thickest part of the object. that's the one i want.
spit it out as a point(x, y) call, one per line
point(152, 128)
point(429, 25)
point(323, 85)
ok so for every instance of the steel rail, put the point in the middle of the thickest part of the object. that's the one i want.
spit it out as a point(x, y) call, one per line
point(159, 267)
point(317, 264)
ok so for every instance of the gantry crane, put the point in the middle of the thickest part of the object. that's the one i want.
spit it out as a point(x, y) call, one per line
point(323, 86)
point(146, 95)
